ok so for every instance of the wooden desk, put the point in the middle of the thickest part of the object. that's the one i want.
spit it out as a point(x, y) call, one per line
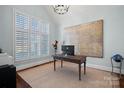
point(74, 59)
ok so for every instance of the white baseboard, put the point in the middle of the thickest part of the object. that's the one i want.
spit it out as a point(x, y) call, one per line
point(28, 65)
point(116, 70)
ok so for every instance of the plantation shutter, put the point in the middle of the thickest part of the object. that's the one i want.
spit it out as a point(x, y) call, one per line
point(31, 37)
point(21, 36)
point(34, 38)
point(44, 39)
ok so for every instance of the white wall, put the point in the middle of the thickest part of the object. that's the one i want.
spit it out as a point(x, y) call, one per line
point(113, 17)
point(6, 25)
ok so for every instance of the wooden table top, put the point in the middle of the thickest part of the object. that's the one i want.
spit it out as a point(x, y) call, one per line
point(75, 58)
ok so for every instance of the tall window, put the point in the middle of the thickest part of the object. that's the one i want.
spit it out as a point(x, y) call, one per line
point(44, 34)
point(32, 37)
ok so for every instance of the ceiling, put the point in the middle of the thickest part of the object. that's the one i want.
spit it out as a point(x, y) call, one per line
point(79, 13)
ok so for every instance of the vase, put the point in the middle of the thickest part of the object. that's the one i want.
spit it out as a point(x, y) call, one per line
point(55, 51)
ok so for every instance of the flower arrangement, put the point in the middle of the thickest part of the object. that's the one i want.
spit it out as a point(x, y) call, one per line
point(55, 45)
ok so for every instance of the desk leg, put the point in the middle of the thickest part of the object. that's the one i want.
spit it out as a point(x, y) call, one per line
point(79, 71)
point(61, 63)
point(54, 65)
point(84, 67)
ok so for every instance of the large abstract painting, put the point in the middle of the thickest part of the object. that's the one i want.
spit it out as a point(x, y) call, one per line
point(87, 38)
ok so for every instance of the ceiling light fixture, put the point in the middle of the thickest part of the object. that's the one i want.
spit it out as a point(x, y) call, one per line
point(61, 9)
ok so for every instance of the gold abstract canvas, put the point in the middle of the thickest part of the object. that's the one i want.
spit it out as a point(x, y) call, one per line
point(87, 38)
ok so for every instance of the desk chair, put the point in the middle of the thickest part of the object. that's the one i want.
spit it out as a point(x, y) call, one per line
point(118, 59)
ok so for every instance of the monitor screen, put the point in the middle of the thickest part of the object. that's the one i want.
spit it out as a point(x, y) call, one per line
point(68, 49)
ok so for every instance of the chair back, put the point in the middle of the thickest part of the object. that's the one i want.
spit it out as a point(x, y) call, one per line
point(117, 58)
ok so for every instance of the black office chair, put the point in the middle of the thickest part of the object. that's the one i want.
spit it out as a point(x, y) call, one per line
point(118, 59)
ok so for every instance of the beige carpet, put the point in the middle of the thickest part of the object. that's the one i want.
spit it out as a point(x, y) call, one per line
point(67, 77)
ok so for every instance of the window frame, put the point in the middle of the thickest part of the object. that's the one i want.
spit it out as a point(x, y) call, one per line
point(15, 11)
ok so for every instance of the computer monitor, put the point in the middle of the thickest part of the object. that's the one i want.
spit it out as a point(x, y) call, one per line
point(68, 49)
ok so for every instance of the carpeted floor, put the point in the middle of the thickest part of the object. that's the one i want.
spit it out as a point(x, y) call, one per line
point(44, 76)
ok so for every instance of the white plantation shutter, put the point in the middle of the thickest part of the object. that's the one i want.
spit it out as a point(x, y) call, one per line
point(44, 38)
point(21, 36)
point(34, 38)
point(31, 37)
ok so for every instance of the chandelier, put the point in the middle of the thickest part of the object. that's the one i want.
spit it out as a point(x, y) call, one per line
point(61, 9)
